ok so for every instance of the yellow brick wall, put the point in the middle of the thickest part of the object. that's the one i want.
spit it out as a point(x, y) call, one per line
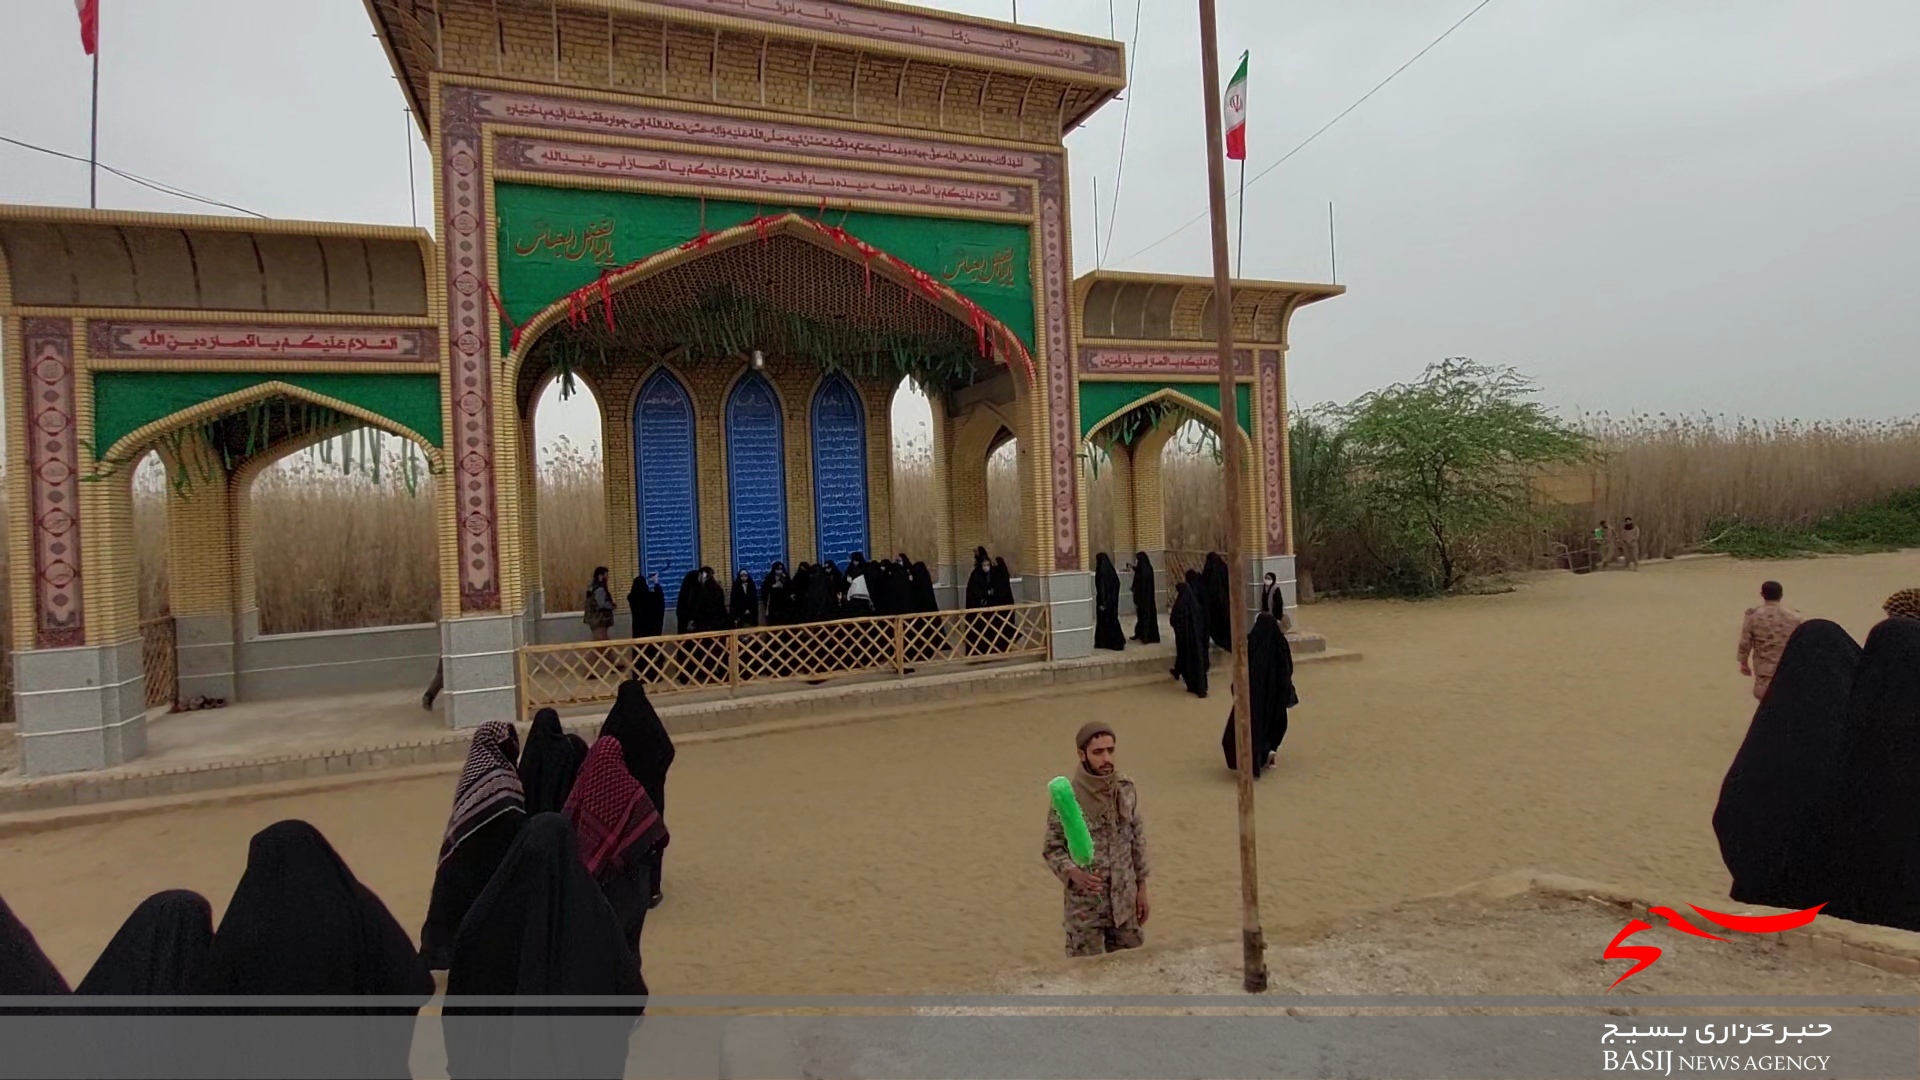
point(1121, 464)
point(200, 537)
point(1149, 505)
point(109, 566)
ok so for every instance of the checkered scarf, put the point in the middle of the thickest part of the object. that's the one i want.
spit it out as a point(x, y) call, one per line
point(1904, 604)
point(611, 813)
point(489, 784)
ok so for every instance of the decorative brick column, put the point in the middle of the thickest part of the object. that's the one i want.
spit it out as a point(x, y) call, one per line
point(79, 688)
point(201, 568)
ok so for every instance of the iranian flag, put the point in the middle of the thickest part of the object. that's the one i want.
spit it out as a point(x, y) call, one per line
point(1237, 112)
point(89, 24)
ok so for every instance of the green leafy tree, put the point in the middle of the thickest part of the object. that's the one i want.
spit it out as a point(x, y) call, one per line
point(1321, 465)
point(1449, 457)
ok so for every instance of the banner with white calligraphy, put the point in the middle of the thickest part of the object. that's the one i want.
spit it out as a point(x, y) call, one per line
point(225, 341)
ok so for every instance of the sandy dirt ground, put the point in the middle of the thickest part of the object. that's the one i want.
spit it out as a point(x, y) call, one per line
point(1579, 725)
point(1518, 945)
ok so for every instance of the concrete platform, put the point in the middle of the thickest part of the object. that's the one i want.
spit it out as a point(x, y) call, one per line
point(325, 739)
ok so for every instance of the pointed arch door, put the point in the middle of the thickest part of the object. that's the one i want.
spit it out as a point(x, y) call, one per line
point(756, 475)
point(666, 481)
point(839, 469)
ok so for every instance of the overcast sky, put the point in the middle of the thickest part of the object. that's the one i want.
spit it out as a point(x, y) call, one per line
point(1644, 205)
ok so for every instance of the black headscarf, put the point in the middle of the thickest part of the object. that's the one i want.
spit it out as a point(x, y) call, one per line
point(777, 588)
point(541, 927)
point(744, 605)
point(686, 606)
point(1107, 633)
point(1002, 583)
point(1778, 795)
point(712, 610)
point(1189, 620)
point(924, 598)
point(1875, 849)
point(25, 971)
point(548, 764)
point(159, 951)
point(1270, 693)
point(300, 924)
point(1217, 592)
point(648, 603)
point(980, 582)
point(1146, 606)
point(644, 741)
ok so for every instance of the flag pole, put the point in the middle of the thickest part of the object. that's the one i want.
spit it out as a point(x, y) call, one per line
point(93, 145)
point(1240, 241)
point(1252, 940)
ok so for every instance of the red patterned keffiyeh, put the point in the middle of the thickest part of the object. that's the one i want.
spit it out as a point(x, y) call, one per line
point(611, 813)
point(489, 785)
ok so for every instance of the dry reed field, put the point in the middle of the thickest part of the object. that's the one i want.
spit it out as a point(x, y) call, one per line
point(347, 551)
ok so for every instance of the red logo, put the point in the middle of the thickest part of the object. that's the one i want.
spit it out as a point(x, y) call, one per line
point(1644, 955)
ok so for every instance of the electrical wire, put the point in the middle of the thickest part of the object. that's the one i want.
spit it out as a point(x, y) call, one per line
point(1304, 143)
point(1126, 120)
point(162, 188)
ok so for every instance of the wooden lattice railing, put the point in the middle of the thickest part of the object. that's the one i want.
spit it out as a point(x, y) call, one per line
point(586, 672)
point(160, 659)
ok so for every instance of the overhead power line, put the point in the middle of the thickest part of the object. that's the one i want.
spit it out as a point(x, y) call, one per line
point(1304, 143)
point(156, 185)
point(1126, 121)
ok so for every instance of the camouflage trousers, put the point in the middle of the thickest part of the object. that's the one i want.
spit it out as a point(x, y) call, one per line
point(1096, 939)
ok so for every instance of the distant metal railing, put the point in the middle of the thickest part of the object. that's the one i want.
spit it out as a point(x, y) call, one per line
point(160, 659)
point(588, 672)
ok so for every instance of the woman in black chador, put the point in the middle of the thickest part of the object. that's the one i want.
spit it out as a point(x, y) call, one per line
point(1189, 618)
point(1146, 611)
point(979, 595)
point(489, 806)
point(649, 606)
point(549, 763)
point(1778, 795)
point(301, 925)
point(1875, 848)
point(1270, 689)
point(777, 589)
point(1217, 592)
point(744, 605)
point(686, 606)
point(541, 928)
point(648, 750)
point(1107, 633)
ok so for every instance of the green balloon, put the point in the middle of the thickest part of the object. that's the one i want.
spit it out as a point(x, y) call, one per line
point(1079, 840)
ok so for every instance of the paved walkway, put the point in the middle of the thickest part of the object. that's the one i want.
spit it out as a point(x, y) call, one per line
point(319, 739)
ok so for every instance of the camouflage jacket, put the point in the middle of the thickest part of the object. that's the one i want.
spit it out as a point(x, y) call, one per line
point(1764, 634)
point(1119, 857)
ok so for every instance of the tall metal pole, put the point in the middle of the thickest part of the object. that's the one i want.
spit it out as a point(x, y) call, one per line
point(1253, 942)
point(413, 200)
point(93, 149)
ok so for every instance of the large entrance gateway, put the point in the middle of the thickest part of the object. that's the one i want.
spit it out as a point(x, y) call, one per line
point(739, 234)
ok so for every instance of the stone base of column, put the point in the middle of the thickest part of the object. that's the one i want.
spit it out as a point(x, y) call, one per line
point(1069, 595)
point(480, 655)
point(950, 585)
point(79, 709)
point(204, 646)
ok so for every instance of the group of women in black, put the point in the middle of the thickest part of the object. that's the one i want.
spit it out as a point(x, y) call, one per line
point(811, 593)
point(1821, 805)
point(1202, 620)
point(549, 864)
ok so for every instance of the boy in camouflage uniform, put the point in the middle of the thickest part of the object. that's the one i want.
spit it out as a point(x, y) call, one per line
point(1763, 637)
point(1106, 904)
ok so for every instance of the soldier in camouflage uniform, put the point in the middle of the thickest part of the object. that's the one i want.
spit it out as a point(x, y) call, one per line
point(1763, 637)
point(1106, 904)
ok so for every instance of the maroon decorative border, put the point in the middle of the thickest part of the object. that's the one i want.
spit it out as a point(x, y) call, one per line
point(53, 463)
point(755, 177)
point(926, 29)
point(1108, 361)
point(463, 202)
point(112, 340)
point(465, 109)
point(1273, 429)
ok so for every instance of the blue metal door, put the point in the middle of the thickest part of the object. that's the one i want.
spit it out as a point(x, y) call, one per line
point(669, 492)
point(839, 470)
point(756, 475)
